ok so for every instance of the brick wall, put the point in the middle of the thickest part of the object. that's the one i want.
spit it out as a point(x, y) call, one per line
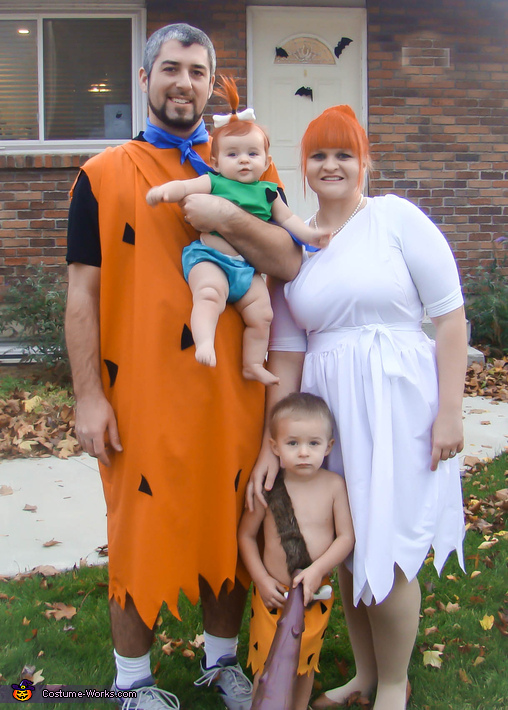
point(438, 114)
point(438, 123)
point(34, 201)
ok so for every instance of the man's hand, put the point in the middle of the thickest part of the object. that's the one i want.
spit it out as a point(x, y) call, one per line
point(262, 477)
point(207, 213)
point(94, 420)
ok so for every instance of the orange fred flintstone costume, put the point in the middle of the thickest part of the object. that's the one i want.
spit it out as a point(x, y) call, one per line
point(176, 441)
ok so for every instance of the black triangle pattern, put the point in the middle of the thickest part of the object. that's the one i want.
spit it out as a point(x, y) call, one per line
point(237, 479)
point(112, 371)
point(186, 341)
point(324, 608)
point(144, 487)
point(129, 236)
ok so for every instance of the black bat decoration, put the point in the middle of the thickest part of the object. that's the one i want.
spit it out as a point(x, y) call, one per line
point(342, 44)
point(304, 91)
point(281, 52)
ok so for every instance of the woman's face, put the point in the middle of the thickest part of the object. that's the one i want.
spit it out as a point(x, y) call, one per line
point(333, 173)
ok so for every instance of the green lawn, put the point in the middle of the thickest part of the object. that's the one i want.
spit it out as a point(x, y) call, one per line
point(473, 672)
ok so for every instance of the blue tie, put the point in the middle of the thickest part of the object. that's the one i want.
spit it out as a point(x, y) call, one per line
point(162, 139)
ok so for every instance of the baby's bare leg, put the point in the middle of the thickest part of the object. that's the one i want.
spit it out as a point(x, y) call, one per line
point(210, 290)
point(257, 315)
point(303, 691)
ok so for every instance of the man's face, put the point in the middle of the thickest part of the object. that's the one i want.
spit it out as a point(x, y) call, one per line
point(178, 87)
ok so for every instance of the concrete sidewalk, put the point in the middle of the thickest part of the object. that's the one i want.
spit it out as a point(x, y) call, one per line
point(71, 509)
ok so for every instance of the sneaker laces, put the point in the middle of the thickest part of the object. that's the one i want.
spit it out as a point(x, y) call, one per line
point(234, 675)
point(151, 698)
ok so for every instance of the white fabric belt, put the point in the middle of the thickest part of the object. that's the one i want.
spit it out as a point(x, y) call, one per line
point(373, 339)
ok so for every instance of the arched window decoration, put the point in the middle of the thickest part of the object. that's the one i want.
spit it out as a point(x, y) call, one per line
point(303, 50)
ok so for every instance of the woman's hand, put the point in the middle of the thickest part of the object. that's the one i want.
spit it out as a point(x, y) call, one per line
point(447, 438)
point(262, 477)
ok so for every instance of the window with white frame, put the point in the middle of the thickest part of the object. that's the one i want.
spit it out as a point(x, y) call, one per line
point(69, 81)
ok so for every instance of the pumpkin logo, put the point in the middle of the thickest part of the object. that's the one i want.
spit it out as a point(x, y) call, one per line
point(23, 691)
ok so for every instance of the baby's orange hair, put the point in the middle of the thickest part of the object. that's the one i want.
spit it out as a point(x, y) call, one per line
point(336, 127)
point(235, 127)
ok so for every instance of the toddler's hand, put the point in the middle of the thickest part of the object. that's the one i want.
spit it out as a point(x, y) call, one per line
point(272, 592)
point(154, 196)
point(311, 579)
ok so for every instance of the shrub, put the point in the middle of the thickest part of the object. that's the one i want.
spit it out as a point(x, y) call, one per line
point(486, 292)
point(33, 311)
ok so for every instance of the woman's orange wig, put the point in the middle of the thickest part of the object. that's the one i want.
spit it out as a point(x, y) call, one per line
point(336, 127)
point(235, 127)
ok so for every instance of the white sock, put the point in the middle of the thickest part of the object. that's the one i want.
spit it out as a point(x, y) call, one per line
point(131, 670)
point(216, 647)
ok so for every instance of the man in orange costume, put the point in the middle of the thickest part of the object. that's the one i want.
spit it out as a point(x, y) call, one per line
point(176, 441)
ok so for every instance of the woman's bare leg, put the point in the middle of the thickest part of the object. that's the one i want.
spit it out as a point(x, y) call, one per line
point(394, 625)
point(257, 315)
point(210, 290)
point(360, 636)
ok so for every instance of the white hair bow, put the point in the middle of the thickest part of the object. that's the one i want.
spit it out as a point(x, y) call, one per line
point(221, 119)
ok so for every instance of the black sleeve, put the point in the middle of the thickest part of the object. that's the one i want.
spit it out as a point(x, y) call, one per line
point(83, 236)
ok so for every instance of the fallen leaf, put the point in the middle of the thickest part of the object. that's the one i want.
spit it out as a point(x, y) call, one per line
point(430, 611)
point(30, 404)
point(478, 660)
point(452, 608)
point(45, 570)
point(68, 627)
point(52, 542)
point(488, 544)
point(452, 578)
point(432, 658)
point(187, 653)
point(168, 648)
point(431, 630)
point(25, 622)
point(37, 677)
point(6, 491)
point(463, 676)
point(30, 508)
point(439, 647)
point(58, 611)
point(475, 573)
point(31, 638)
point(199, 641)
point(487, 622)
point(485, 422)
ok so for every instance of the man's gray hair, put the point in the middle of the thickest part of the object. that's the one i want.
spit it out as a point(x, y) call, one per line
point(186, 35)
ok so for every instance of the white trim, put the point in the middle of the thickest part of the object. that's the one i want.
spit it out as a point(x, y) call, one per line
point(137, 15)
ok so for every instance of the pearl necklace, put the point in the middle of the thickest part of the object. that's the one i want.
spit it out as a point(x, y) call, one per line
point(315, 225)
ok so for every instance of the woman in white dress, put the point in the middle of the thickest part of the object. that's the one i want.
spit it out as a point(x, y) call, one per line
point(348, 328)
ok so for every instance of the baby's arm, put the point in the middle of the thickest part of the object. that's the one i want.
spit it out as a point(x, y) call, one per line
point(283, 216)
point(312, 576)
point(176, 190)
point(271, 591)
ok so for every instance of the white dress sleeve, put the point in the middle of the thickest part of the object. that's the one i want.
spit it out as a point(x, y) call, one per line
point(428, 257)
point(285, 335)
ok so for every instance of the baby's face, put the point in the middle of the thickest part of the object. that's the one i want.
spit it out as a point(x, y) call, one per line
point(242, 158)
point(302, 443)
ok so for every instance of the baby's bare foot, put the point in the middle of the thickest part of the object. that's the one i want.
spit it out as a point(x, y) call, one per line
point(258, 372)
point(205, 354)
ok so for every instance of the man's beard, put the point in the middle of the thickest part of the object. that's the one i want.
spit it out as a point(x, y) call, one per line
point(176, 122)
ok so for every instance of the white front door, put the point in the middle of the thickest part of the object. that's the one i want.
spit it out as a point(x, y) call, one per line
point(301, 61)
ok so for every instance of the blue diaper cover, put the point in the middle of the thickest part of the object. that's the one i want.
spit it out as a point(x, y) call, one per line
point(239, 273)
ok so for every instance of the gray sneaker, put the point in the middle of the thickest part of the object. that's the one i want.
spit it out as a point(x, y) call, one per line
point(148, 697)
point(230, 682)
